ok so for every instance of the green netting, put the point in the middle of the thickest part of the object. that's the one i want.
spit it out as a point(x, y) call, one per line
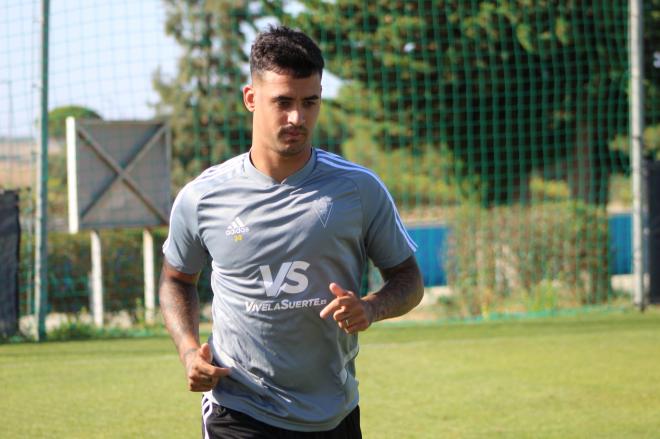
point(500, 126)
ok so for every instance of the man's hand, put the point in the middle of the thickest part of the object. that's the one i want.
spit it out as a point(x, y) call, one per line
point(402, 291)
point(201, 373)
point(351, 313)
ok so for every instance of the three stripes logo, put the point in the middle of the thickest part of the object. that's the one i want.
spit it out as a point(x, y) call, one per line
point(237, 229)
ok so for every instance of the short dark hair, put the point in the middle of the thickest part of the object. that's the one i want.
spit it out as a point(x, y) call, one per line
point(285, 51)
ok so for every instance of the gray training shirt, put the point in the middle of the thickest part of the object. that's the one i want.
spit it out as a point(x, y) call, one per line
point(275, 248)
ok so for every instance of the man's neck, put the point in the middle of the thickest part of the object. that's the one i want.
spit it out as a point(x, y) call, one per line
point(278, 166)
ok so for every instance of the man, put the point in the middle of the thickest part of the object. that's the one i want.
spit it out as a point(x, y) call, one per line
point(289, 229)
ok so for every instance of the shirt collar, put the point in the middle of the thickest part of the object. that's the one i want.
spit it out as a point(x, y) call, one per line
point(292, 180)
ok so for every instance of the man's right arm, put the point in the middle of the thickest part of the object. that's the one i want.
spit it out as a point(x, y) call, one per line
point(179, 305)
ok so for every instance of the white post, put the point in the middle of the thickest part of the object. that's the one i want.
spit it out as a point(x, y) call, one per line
point(636, 131)
point(72, 173)
point(149, 278)
point(97, 279)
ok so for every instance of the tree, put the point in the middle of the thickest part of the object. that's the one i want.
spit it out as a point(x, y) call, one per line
point(57, 118)
point(57, 173)
point(203, 102)
point(511, 87)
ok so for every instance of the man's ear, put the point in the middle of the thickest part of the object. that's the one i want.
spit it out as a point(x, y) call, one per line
point(248, 97)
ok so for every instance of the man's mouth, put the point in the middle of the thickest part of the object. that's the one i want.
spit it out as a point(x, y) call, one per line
point(292, 133)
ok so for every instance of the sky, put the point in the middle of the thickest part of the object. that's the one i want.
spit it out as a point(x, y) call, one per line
point(103, 55)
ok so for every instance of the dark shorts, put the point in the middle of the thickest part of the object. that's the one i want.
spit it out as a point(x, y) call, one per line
point(225, 423)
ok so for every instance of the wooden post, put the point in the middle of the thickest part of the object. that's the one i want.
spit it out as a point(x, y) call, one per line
point(97, 279)
point(149, 278)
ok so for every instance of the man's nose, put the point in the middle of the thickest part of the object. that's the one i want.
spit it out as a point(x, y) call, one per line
point(296, 117)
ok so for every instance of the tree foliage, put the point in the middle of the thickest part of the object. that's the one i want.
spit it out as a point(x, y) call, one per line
point(507, 89)
point(57, 118)
point(203, 101)
point(57, 173)
point(511, 87)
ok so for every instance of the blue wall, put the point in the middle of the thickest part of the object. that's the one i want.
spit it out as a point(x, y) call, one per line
point(621, 243)
point(432, 251)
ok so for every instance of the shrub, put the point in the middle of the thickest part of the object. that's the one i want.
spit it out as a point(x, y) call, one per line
point(529, 258)
point(69, 271)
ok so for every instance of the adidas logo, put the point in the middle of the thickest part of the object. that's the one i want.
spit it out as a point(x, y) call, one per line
point(237, 228)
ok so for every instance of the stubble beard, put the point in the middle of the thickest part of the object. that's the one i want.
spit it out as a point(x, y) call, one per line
point(291, 149)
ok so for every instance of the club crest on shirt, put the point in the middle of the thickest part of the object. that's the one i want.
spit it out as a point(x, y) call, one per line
point(323, 209)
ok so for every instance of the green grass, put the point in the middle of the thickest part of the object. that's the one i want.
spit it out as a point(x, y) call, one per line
point(588, 376)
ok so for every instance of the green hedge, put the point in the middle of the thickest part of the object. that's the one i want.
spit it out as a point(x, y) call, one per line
point(507, 259)
point(529, 258)
point(69, 267)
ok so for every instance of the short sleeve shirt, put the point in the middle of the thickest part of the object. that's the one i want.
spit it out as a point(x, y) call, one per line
point(274, 248)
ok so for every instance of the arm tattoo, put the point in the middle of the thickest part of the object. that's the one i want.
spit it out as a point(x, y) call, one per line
point(179, 305)
point(403, 290)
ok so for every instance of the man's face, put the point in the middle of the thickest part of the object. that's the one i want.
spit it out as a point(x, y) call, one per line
point(285, 110)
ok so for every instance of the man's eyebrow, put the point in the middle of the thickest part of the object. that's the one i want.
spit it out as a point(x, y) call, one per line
point(289, 98)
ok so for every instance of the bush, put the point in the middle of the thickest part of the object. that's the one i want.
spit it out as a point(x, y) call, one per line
point(69, 271)
point(529, 258)
point(74, 330)
point(69, 267)
point(77, 328)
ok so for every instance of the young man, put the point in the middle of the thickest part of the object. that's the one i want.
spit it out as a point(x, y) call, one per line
point(289, 230)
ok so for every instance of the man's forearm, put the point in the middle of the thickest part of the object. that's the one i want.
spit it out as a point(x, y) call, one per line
point(180, 308)
point(402, 291)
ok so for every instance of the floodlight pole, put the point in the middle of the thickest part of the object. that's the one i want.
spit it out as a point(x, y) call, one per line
point(41, 193)
point(636, 145)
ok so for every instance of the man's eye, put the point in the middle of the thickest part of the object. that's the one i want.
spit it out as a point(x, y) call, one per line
point(309, 104)
point(283, 104)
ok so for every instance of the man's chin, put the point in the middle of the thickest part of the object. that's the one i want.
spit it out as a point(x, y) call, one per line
point(292, 149)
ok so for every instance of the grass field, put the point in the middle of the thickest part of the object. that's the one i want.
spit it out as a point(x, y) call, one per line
point(589, 376)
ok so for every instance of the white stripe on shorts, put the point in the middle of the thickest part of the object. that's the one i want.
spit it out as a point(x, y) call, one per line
point(207, 408)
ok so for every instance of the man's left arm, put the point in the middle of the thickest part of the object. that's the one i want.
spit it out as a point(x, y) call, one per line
point(402, 291)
